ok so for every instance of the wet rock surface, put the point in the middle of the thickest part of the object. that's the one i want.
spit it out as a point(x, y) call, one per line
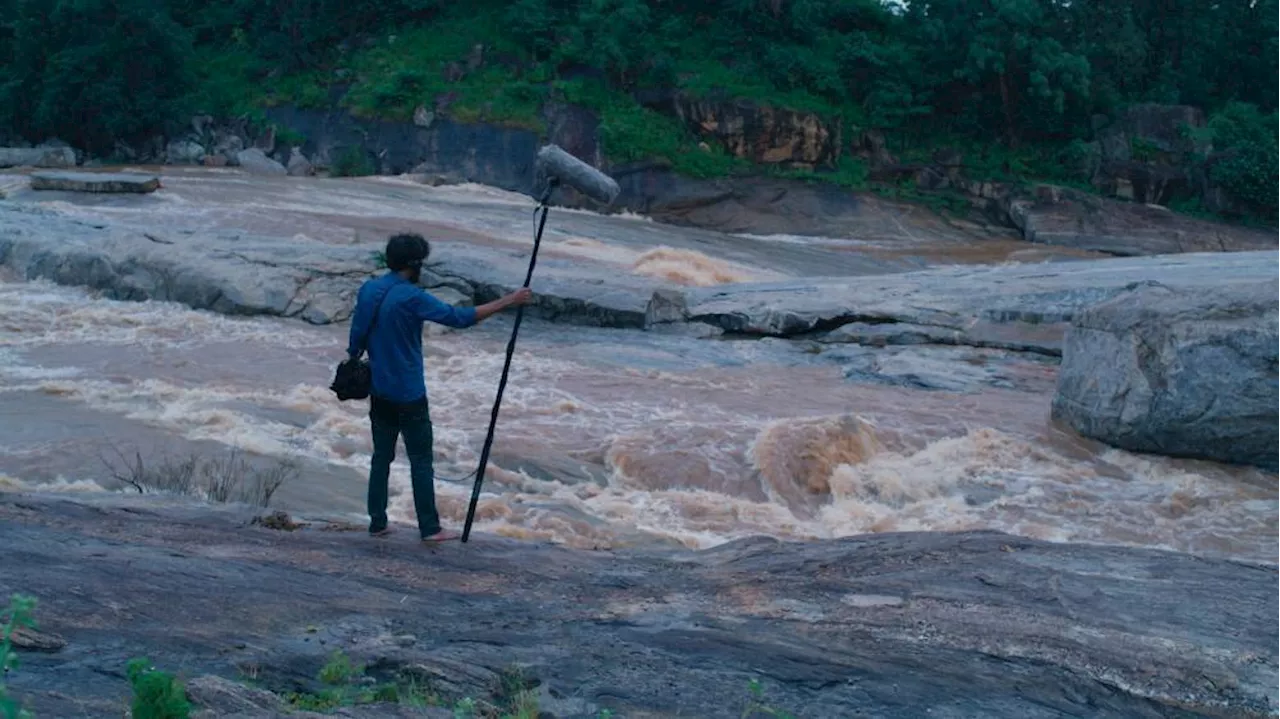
point(1177, 372)
point(1021, 307)
point(1017, 307)
point(961, 625)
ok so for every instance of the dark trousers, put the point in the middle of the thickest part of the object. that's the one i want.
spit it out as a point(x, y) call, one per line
point(391, 420)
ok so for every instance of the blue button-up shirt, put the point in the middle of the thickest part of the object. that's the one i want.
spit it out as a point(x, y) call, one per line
point(395, 345)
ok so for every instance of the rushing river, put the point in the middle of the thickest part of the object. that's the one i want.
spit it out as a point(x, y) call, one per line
point(607, 437)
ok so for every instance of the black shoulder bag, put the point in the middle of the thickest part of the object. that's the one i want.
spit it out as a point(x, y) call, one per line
point(353, 380)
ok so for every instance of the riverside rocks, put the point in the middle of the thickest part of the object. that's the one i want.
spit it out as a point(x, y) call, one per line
point(37, 157)
point(1180, 372)
point(1070, 218)
point(1017, 307)
point(108, 182)
point(894, 625)
point(1021, 307)
point(255, 161)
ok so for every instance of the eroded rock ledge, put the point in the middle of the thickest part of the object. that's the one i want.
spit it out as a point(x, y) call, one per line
point(962, 625)
point(1018, 307)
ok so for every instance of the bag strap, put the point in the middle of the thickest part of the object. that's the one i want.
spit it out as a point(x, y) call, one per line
point(377, 309)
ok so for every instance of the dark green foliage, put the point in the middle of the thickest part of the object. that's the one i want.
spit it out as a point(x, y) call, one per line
point(93, 71)
point(1246, 167)
point(352, 162)
point(156, 694)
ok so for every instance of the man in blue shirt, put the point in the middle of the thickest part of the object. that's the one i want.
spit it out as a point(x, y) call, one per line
point(390, 311)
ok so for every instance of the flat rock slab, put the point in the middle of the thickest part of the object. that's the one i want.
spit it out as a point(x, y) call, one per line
point(1024, 307)
point(241, 274)
point(114, 182)
point(1020, 307)
point(975, 624)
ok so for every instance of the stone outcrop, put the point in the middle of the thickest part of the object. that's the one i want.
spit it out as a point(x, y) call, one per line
point(1176, 371)
point(185, 152)
point(748, 130)
point(104, 182)
point(221, 271)
point(37, 157)
point(909, 624)
point(496, 156)
point(1016, 307)
point(1141, 152)
point(299, 165)
point(1070, 218)
point(255, 161)
point(1019, 307)
point(240, 274)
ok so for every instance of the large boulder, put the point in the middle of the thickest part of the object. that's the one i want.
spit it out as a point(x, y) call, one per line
point(256, 162)
point(1181, 372)
point(184, 152)
point(299, 165)
point(1069, 218)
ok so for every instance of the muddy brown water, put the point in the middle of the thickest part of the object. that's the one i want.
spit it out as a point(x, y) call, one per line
point(607, 437)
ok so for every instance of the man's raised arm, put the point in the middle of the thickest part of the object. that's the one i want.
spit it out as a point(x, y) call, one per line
point(429, 308)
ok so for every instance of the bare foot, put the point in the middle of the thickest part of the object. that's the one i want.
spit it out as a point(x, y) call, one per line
point(441, 536)
point(381, 532)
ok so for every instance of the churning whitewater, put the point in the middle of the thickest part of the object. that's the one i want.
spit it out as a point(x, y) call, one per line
point(607, 437)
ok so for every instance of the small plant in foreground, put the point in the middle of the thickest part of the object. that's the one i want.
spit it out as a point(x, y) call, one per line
point(20, 615)
point(340, 670)
point(464, 709)
point(229, 478)
point(346, 685)
point(156, 694)
point(756, 705)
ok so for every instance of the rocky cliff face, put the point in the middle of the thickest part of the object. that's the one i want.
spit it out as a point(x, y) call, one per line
point(748, 130)
point(1140, 155)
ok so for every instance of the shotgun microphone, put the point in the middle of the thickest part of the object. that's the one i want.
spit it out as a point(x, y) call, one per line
point(555, 166)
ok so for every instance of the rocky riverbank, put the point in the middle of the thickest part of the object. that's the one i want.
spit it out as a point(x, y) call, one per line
point(1021, 307)
point(845, 305)
point(438, 150)
point(964, 625)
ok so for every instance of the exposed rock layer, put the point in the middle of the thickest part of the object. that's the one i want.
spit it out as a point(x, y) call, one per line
point(897, 625)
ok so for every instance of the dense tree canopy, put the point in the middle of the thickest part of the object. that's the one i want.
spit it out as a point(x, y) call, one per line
point(1007, 71)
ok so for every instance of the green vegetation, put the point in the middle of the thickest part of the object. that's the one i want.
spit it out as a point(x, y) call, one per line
point(344, 685)
point(758, 707)
point(1012, 84)
point(19, 615)
point(156, 694)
